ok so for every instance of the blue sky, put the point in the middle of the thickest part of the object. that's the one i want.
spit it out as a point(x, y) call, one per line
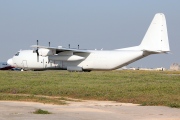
point(94, 24)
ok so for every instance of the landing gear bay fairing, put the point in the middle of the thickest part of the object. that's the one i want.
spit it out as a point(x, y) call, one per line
point(155, 41)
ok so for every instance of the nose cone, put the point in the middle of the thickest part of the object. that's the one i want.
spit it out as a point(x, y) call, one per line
point(10, 62)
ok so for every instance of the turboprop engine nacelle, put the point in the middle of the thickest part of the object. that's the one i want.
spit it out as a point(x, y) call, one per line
point(45, 52)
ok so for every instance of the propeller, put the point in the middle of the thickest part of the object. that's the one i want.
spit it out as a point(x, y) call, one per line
point(37, 52)
point(48, 57)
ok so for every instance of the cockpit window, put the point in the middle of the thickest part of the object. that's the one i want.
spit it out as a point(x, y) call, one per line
point(17, 54)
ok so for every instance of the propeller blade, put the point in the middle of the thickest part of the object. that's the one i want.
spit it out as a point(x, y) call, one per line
point(37, 52)
point(37, 42)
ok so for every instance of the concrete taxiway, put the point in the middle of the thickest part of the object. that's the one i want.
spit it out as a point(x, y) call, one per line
point(86, 110)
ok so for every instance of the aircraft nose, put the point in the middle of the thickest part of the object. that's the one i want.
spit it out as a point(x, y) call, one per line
point(10, 62)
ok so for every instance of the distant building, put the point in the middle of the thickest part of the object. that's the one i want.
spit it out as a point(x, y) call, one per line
point(175, 67)
point(155, 69)
point(160, 69)
point(148, 69)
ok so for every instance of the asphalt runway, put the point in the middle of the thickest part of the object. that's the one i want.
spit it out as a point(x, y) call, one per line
point(86, 110)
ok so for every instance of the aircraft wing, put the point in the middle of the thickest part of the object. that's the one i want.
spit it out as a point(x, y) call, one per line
point(61, 49)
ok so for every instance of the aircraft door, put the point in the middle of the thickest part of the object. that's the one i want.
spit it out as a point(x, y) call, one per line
point(24, 62)
point(44, 63)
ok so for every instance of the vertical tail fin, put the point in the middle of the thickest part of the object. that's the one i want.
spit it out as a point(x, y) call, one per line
point(156, 37)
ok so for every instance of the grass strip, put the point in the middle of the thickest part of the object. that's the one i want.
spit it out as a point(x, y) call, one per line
point(140, 87)
point(32, 98)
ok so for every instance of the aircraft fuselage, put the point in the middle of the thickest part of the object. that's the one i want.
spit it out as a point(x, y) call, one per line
point(95, 60)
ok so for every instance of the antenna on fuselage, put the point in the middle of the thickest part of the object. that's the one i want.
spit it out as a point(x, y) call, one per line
point(78, 46)
point(69, 45)
point(49, 44)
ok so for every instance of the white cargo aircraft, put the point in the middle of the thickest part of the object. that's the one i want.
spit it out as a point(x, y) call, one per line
point(155, 41)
